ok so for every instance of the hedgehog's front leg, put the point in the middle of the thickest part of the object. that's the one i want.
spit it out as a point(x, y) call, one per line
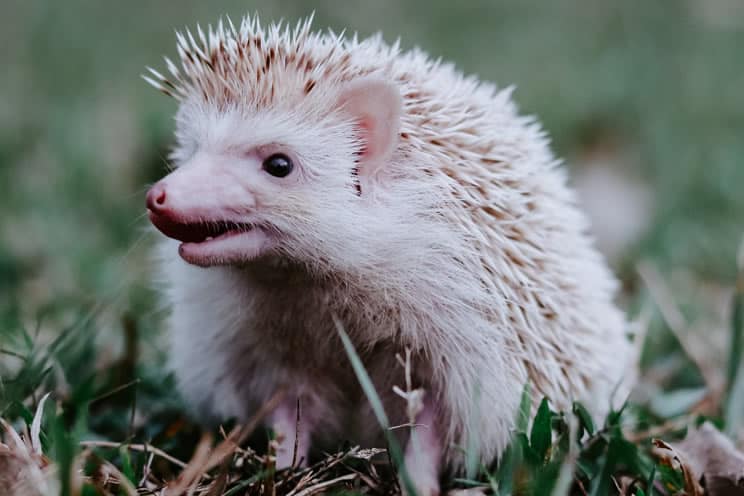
point(424, 453)
point(293, 436)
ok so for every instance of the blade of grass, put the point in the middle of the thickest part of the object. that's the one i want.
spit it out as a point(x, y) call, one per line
point(374, 399)
point(737, 328)
point(675, 320)
point(502, 481)
point(737, 324)
point(585, 419)
point(541, 434)
point(734, 414)
point(568, 466)
point(243, 484)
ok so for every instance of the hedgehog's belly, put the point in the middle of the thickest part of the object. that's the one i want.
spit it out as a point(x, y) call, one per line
point(241, 374)
point(332, 404)
point(233, 350)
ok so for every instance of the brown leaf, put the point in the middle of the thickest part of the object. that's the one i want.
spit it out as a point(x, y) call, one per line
point(714, 460)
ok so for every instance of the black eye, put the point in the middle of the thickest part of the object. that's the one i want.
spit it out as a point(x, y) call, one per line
point(278, 165)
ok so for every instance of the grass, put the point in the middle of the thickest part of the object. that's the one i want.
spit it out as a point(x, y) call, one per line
point(147, 440)
point(651, 87)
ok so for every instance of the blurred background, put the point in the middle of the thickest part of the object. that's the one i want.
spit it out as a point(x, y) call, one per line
point(642, 99)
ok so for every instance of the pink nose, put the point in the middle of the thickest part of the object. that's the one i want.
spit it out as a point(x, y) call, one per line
point(156, 199)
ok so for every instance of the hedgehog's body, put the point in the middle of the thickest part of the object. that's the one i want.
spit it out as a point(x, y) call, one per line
point(422, 211)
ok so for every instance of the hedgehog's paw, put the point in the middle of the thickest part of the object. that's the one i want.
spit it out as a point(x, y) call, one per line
point(423, 455)
point(292, 444)
point(424, 484)
point(422, 467)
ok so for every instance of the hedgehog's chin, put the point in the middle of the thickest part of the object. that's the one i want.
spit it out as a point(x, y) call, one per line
point(230, 248)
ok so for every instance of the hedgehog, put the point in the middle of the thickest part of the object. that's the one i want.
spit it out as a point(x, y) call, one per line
point(323, 181)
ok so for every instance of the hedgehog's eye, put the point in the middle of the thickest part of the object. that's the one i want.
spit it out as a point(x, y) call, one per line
point(278, 165)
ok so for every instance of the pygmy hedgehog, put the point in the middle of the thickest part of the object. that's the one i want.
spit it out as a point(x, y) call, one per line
point(322, 180)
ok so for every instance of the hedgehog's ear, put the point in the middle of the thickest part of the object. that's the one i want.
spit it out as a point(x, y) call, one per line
point(376, 107)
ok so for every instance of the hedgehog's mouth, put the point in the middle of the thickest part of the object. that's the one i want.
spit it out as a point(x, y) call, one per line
point(197, 232)
point(208, 243)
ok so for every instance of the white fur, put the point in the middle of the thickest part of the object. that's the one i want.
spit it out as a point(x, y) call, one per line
point(470, 249)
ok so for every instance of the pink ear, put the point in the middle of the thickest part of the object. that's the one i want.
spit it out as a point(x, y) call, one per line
point(376, 107)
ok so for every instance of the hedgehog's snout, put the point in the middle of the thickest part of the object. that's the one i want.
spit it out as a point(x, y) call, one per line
point(156, 199)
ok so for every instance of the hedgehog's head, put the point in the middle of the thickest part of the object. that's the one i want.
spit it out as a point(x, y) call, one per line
point(275, 156)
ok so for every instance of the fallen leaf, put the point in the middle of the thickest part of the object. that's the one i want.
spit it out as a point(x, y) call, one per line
point(714, 461)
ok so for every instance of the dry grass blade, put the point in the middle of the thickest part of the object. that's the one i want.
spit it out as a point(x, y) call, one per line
point(296, 446)
point(147, 469)
point(144, 448)
point(677, 323)
point(121, 479)
point(205, 458)
point(306, 479)
point(314, 489)
point(270, 469)
point(659, 430)
point(369, 481)
point(194, 470)
point(315, 473)
point(36, 426)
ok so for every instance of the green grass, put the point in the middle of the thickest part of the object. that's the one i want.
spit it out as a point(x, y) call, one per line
point(654, 85)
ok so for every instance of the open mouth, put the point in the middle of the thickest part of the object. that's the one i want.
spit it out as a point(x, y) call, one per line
point(208, 243)
point(197, 232)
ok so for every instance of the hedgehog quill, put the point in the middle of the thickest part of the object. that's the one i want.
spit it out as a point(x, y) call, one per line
point(318, 176)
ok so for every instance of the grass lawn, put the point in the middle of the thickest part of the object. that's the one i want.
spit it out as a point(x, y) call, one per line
point(650, 90)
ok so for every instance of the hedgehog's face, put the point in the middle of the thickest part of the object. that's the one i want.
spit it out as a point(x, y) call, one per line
point(273, 180)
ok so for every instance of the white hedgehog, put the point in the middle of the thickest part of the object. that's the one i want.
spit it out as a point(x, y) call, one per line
point(318, 178)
